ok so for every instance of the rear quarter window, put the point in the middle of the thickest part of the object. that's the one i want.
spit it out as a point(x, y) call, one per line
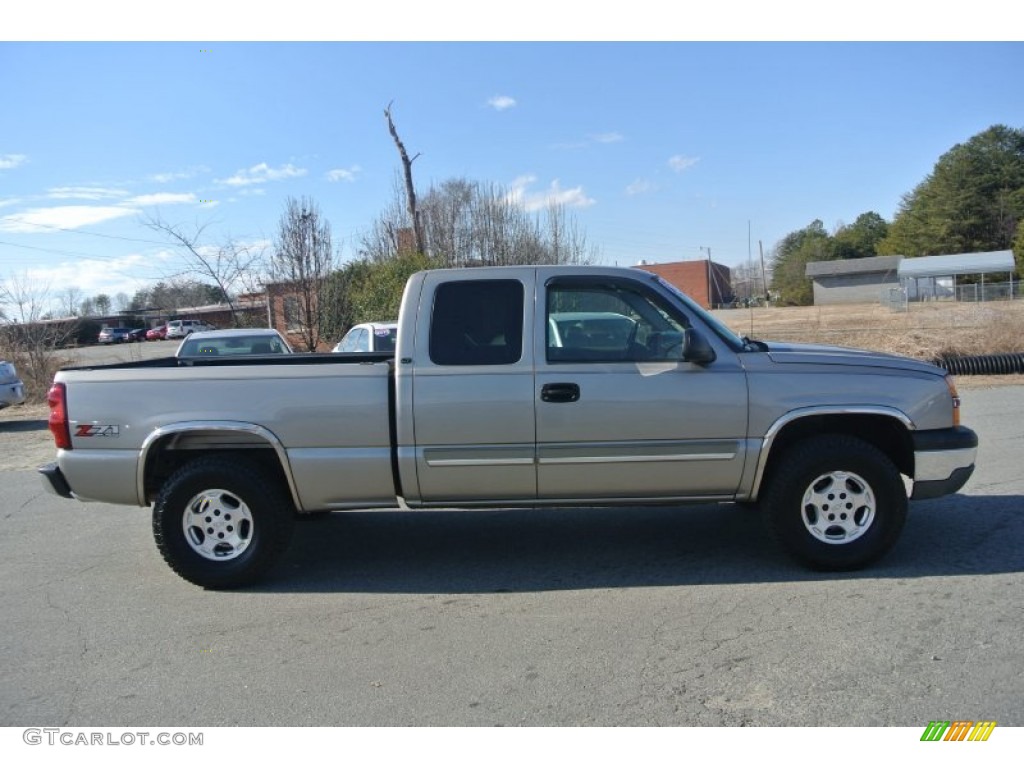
point(477, 322)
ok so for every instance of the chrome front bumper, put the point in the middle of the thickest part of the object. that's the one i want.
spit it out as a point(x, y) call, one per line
point(943, 461)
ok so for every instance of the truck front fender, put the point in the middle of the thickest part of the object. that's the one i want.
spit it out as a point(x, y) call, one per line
point(820, 419)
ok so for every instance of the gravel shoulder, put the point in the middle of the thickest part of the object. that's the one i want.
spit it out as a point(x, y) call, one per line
point(25, 442)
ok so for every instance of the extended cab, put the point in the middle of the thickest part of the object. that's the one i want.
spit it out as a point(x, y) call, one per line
point(514, 386)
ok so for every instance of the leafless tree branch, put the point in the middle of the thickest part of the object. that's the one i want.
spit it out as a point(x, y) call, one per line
point(410, 190)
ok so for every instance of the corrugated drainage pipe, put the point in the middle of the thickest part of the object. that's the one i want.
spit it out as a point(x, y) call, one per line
point(974, 365)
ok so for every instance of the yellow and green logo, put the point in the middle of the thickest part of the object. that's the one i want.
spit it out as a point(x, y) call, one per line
point(958, 730)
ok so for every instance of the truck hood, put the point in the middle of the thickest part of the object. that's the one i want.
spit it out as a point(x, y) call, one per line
point(822, 354)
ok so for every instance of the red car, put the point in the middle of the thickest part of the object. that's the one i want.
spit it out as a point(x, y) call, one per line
point(156, 334)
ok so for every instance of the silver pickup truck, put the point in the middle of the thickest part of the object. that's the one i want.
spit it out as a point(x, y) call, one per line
point(518, 386)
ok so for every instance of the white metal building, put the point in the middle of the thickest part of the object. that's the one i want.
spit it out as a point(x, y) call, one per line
point(934, 277)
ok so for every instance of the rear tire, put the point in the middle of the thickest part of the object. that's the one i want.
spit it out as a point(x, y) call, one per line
point(221, 523)
point(835, 502)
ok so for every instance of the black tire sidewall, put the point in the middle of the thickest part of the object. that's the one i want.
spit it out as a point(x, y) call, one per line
point(803, 464)
point(271, 520)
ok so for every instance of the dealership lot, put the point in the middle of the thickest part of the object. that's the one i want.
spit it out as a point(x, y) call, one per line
point(660, 616)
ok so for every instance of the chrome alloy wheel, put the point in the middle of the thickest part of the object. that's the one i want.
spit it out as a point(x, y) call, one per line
point(838, 507)
point(217, 524)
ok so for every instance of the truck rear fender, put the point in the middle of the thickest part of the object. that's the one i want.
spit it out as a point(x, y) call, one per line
point(170, 446)
point(888, 429)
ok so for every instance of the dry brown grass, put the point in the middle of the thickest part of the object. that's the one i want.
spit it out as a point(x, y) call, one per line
point(35, 367)
point(925, 331)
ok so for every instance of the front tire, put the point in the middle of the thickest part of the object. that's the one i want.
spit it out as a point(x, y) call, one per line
point(221, 523)
point(835, 502)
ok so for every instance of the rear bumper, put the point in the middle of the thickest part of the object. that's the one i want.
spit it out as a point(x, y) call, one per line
point(943, 461)
point(54, 480)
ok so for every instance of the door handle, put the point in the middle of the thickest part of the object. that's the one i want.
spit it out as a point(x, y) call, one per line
point(560, 393)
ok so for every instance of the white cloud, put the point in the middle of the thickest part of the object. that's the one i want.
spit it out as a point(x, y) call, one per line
point(261, 174)
point(9, 201)
point(639, 187)
point(553, 195)
point(609, 137)
point(62, 217)
point(343, 174)
point(162, 198)
point(680, 163)
point(12, 161)
point(501, 103)
point(93, 276)
point(76, 216)
point(85, 193)
point(188, 173)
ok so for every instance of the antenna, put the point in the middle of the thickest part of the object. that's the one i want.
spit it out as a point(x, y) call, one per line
point(750, 292)
point(764, 280)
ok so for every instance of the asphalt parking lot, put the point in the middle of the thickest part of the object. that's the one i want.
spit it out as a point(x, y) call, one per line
point(655, 616)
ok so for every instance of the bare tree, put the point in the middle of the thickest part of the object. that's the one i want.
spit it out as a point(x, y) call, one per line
point(29, 341)
point(70, 301)
point(231, 266)
point(122, 301)
point(383, 241)
point(410, 189)
point(467, 223)
point(304, 258)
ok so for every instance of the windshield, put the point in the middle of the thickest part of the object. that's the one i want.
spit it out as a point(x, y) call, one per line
point(720, 328)
point(233, 345)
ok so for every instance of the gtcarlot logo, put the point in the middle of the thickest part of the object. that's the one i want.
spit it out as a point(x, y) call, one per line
point(958, 730)
point(72, 738)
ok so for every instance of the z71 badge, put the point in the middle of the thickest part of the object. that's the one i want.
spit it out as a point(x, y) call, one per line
point(97, 430)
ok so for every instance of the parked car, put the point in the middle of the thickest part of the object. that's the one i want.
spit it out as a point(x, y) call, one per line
point(369, 337)
point(179, 329)
point(12, 390)
point(114, 335)
point(137, 334)
point(157, 334)
point(236, 341)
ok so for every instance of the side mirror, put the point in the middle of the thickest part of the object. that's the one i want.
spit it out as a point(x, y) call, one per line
point(696, 348)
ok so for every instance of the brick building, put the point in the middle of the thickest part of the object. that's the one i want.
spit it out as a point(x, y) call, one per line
point(706, 282)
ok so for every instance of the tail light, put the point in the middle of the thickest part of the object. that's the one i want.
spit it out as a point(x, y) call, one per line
point(57, 398)
point(956, 400)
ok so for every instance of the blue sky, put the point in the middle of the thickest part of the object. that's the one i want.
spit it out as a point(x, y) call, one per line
point(660, 151)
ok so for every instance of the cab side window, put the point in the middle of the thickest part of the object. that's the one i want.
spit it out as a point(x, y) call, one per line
point(608, 322)
point(477, 322)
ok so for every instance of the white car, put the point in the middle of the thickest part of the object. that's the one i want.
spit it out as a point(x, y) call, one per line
point(369, 337)
point(12, 390)
point(234, 342)
point(179, 329)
